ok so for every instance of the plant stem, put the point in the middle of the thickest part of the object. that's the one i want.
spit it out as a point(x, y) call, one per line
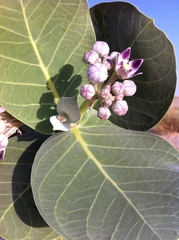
point(87, 104)
point(112, 78)
point(84, 106)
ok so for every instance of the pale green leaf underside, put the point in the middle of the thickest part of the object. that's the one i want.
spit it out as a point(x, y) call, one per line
point(102, 182)
point(42, 44)
point(19, 218)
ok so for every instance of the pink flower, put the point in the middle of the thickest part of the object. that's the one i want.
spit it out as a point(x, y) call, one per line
point(124, 68)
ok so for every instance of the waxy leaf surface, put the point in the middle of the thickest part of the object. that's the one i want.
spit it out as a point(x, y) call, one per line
point(99, 181)
point(122, 25)
point(69, 107)
point(42, 44)
point(19, 217)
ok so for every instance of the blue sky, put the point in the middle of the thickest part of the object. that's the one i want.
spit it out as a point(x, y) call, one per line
point(166, 17)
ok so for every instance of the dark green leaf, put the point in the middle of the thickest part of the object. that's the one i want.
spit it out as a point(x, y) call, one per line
point(19, 217)
point(103, 182)
point(121, 25)
point(42, 44)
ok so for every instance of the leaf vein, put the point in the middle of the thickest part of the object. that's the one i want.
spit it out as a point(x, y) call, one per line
point(84, 146)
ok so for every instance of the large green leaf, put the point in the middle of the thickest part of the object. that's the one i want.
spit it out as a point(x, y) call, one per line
point(19, 217)
point(121, 25)
point(42, 44)
point(103, 182)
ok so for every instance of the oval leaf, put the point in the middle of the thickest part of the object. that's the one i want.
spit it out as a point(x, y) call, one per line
point(121, 25)
point(102, 182)
point(19, 217)
point(41, 50)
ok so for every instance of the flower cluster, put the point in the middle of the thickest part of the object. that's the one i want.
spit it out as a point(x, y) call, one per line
point(114, 68)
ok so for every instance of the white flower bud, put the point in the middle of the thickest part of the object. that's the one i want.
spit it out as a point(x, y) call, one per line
point(97, 73)
point(90, 57)
point(117, 88)
point(119, 96)
point(108, 102)
point(108, 86)
point(129, 88)
point(104, 113)
point(101, 48)
point(87, 91)
point(104, 94)
point(120, 108)
point(113, 55)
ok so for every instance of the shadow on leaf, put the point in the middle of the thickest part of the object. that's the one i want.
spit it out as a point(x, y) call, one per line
point(24, 204)
point(66, 85)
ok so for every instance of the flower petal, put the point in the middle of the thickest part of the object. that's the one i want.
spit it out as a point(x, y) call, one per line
point(122, 58)
point(126, 53)
point(121, 73)
point(135, 65)
point(57, 125)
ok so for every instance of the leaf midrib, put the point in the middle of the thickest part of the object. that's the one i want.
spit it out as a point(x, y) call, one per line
point(41, 64)
point(84, 146)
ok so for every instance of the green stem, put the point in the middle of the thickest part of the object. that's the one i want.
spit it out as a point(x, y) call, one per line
point(87, 104)
point(112, 78)
point(84, 107)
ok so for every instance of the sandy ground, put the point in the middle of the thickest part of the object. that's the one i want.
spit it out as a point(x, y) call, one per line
point(168, 127)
